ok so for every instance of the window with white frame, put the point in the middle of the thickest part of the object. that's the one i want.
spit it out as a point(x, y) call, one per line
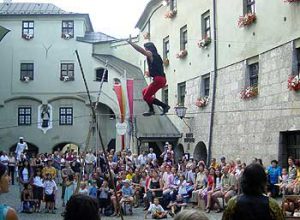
point(183, 38)
point(166, 47)
point(65, 116)
point(102, 73)
point(24, 116)
point(181, 93)
point(67, 71)
point(165, 95)
point(206, 29)
point(67, 29)
point(205, 85)
point(249, 6)
point(26, 71)
point(173, 4)
point(28, 29)
point(253, 70)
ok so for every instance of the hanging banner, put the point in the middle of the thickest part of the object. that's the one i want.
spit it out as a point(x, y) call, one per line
point(122, 104)
point(130, 97)
point(44, 117)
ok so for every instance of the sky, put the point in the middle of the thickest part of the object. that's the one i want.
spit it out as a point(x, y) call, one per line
point(113, 17)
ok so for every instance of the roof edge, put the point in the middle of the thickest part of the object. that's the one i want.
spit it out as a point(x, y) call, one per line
point(148, 12)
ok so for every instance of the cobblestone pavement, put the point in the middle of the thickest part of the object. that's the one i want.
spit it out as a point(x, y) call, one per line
point(12, 199)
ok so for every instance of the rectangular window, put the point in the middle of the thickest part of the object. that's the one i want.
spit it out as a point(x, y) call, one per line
point(298, 59)
point(181, 93)
point(28, 29)
point(26, 71)
point(206, 85)
point(206, 31)
point(183, 38)
point(165, 94)
point(253, 74)
point(66, 116)
point(166, 48)
point(249, 6)
point(99, 75)
point(67, 29)
point(173, 4)
point(67, 71)
point(24, 116)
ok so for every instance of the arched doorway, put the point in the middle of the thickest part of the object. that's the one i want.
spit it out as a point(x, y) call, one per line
point(32, 149)
point(157, 151)
point(63, 147)
point(200, 152)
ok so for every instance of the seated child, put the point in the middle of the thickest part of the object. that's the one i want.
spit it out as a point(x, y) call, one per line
point(93, 190)
point(83, 189)
point(127, 194)
point(27, 199)
point(156, 210)
point(283, 181)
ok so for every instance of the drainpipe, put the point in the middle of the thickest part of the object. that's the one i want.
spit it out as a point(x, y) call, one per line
point(213, 100)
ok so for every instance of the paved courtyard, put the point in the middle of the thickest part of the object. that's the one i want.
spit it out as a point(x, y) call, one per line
point(12, 199)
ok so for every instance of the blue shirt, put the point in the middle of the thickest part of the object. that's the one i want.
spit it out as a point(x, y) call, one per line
point(273, 174)
point(127, 191)
point(93, 192)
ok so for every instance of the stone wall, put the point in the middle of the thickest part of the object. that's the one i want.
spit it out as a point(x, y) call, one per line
point(249, 128)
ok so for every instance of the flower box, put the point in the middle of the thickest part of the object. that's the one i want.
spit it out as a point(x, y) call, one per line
point(171, 14)
point(146, 36)
point(201, 102)
point(249, 92)
point(181, 54)
point(27, 36)
point(166, 62)
point(294, 82)
point(246, 20)
point(204, 42)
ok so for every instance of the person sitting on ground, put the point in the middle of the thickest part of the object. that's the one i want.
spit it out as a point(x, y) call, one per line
point(283, 181)
point(81, 207)
point(192, 214)
point(127, 194)
point(29, 204)
point(252, 204)
point(83, 188)
point(156, 210)
point(6, 212)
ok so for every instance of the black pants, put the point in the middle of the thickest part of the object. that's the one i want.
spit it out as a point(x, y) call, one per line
point(11, 173)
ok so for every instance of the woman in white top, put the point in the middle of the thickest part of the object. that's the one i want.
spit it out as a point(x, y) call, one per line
point(11, 167)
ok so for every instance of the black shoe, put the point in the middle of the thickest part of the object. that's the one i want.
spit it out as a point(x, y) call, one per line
point(164, 106)
point(165, 110)
point(149, 113)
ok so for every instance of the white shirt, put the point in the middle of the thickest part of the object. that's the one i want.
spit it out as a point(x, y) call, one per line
point(50, 186)
point(25, 174)
point(152, 156)
point(4, 159)
point(142, 159)
point(90, 158)
point(38, 181)
point(155, 208)
point(20, 148)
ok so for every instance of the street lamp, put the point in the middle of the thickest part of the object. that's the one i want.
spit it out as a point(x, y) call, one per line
point(181, 112)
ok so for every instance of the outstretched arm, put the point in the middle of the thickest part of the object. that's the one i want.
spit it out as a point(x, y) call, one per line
point(140, 49)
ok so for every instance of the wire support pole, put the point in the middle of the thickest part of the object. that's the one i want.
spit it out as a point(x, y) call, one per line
point(100, 136)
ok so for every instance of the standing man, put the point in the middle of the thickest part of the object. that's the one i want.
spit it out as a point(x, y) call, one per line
point(21, 146)
point(90, 160)
point(151, 156)
point(155, 70)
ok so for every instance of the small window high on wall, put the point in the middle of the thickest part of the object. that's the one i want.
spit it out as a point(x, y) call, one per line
point(99, 75)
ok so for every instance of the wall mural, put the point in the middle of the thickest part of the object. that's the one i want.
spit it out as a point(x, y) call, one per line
point(45, 117)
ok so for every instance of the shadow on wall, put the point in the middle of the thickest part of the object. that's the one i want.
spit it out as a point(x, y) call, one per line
point(200, 152)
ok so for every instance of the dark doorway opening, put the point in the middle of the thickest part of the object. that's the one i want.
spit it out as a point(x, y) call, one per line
point(65, 146)
point(33, 150)
point(112, 144)
point(157, 151)
point(289, 146)
point(200, 152)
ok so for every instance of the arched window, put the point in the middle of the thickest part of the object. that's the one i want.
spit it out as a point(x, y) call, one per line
point(99, 74)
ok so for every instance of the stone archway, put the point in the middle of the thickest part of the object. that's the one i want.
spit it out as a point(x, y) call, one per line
point(200, 152)
point(33, 150)
point(63, 147)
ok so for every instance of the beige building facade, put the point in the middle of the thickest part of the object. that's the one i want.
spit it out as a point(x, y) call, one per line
point(249, 44)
